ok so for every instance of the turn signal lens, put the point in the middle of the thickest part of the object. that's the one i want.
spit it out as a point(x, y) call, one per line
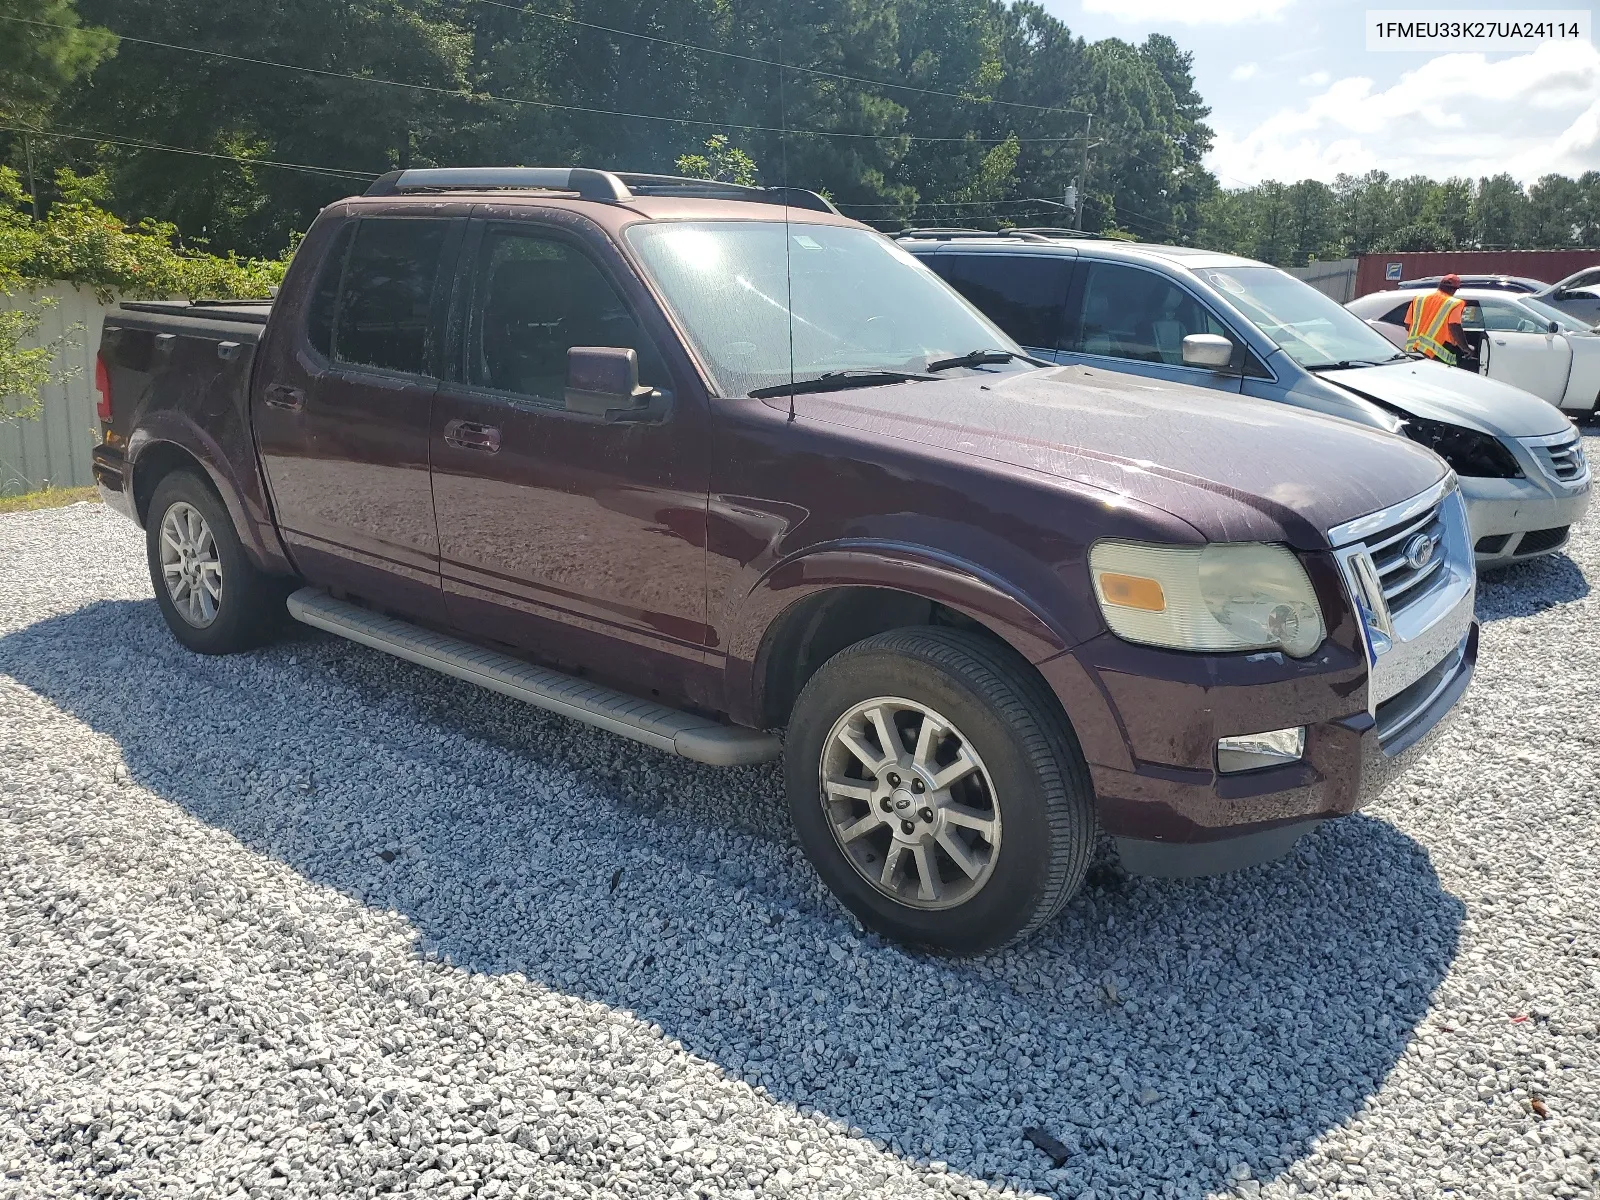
point(102, 384)
point(1133, 591)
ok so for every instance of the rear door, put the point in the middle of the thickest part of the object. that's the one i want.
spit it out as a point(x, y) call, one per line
point(1522, 350)
point(577, 538)
point(1024, 294)
point(1133, 319)
point(342, 418)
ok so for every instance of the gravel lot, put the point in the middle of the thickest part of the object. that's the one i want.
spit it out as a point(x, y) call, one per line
point(316, 922)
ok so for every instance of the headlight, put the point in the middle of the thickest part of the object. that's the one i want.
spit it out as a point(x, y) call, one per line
point(1218, 597)
point(1467, 450)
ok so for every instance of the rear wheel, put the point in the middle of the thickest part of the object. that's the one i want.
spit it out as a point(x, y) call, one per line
point(936, 786)
point(214, 599)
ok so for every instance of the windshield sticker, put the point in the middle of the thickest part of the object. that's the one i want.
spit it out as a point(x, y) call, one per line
point(1227, 283)
point(807, 242)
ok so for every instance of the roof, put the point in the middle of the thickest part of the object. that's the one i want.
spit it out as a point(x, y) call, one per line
point(610, 215)
point(1187, 257)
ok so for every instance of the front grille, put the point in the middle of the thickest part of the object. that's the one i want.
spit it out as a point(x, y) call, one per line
point(1541, 540)
point(1493, 544)
point(1401, 581)
point(1563, 461)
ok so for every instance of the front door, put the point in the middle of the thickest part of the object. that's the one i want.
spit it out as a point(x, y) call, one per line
point(342, 420)
point(1134, 320)
point(1523, 352)
point(579, 539)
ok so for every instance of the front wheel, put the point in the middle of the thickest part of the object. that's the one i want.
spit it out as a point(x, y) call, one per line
point(214, 599)
point(938, 789)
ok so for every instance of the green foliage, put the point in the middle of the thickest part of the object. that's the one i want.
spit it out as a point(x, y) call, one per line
point(46, 49)
point(26, 370)
point(1371, 213)
point(723, 162)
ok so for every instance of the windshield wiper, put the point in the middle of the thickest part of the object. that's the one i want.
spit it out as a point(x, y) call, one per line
point(981, 358)
point(1345, 364)
point(837, 381)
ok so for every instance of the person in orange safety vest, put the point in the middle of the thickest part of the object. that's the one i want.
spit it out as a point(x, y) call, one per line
point(1433, 323)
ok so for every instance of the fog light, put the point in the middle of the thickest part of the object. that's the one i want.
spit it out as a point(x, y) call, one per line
point(1252, 751)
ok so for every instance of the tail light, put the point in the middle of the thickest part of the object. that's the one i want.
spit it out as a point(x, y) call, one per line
point(102, 384)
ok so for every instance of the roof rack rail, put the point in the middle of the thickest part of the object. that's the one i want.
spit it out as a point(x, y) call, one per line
point(609, 186)
point(1039, 233)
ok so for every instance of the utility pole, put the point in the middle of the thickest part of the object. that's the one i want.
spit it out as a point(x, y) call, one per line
point(33, 186)
point(1083, 180)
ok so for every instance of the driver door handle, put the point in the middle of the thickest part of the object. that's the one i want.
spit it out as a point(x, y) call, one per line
point(468, 435)
point(280, 395)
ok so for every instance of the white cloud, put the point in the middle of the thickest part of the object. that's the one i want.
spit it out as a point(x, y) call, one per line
point(1315, 79)
point(1244, 71)
point(1456, 114)
point(1188, 12)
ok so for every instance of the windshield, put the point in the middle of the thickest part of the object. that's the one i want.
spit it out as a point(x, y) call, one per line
point(1309, 327)
point(1548, 312)
point(860, 302)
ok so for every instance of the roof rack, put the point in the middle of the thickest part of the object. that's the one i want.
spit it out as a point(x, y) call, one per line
point(1038, 233)
point(608, 186)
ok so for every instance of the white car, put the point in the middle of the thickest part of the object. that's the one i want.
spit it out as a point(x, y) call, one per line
point(1520, 340)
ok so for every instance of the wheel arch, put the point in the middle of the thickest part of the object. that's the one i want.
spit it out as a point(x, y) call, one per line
point(811, 606)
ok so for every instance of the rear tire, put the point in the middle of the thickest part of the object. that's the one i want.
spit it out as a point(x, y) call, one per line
point(963, 838)
point(214, 599)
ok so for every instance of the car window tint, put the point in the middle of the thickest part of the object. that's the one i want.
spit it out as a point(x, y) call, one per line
point(1397, 314)
point(539, 297)
point(1137, 314)
point(385, 304)
point(319, 313)
point(1024, 296)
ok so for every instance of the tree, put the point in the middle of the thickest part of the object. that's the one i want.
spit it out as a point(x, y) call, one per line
point(721, 161)
point(1500, 213)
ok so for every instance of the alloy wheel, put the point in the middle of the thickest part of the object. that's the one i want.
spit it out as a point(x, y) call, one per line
point(190, 564)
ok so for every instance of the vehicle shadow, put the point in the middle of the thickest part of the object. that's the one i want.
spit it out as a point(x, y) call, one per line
point(1529, 588)
point(1167, 1033)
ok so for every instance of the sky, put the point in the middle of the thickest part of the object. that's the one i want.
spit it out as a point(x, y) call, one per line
point(1295, 93)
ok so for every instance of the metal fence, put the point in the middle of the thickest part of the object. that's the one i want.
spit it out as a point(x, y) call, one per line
point(1336, 279)
point(53, 449)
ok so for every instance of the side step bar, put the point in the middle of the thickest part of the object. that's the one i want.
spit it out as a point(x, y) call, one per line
point(699, 738)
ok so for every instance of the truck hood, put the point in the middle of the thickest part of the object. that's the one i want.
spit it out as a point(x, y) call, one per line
point(1424, 388)
point(1234, 468)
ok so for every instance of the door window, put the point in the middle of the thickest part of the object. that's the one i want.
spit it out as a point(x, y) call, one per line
point(325, 296)
point(1500, 317)
point(1138, 314)
point(386, 303)
point(540, 297)
point(1025, 296)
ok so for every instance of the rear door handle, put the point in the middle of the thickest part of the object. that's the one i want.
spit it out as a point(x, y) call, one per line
point(280, 395)
point(468, 435)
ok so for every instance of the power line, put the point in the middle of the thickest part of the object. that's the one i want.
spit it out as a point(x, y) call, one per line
point(768, 62)
point(90, 136)
point(546, 104)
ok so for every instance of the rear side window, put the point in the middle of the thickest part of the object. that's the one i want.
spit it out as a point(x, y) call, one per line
point(538, 298)
point(1397, 314)
point(386, 304)
point(324, 297)
point(1025, 296)
point(1138, 314)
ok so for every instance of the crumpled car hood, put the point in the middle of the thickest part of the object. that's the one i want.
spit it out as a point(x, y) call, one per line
point(1234, 468)
point(1428, 389)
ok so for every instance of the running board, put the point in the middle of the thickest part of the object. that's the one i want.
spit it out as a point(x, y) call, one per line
point(669, 729)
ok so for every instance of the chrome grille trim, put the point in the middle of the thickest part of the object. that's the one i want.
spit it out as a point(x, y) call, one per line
point(1560, 456)
point(1362, 527)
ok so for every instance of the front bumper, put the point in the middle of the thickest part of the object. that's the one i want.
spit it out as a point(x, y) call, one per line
point(1504, 512)
point(1373, 696)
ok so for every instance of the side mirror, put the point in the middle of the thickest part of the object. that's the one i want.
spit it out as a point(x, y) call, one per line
point(604, 380)
point(1554, 327)
point(1207, 350)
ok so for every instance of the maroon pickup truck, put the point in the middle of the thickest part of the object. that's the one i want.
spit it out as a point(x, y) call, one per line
point(696, 463)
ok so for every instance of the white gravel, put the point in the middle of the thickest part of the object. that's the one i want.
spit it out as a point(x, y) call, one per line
point(314, 922)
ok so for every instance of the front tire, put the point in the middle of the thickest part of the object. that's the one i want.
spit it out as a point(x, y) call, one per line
point(214, 599)
point(938, 790)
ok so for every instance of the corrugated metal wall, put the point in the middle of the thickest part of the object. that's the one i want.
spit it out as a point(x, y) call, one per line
point(1335, 279)
point(53, 449)
point(1548, 265)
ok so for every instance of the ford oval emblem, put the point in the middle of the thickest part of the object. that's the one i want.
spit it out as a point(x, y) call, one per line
point(1419, 551)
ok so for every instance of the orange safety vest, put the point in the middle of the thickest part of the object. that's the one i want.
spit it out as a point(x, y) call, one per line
point(1426, 321)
